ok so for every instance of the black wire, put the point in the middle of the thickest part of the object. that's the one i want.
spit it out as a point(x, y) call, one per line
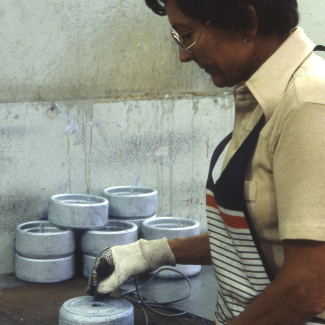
point(137, 304)
point(152, 310)
point(149, 304)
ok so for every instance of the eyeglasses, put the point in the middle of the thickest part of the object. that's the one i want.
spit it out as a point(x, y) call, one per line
point(182, 43)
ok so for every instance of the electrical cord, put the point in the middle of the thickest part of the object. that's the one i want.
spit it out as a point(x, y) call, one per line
point(150, 305)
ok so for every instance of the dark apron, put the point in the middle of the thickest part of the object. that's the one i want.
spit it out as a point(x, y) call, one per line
point(239, 263)
point(240, 266)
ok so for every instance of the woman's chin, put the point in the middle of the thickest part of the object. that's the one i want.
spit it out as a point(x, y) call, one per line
point(220, 81)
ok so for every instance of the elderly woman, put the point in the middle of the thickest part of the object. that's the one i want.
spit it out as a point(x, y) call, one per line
point(266, 211)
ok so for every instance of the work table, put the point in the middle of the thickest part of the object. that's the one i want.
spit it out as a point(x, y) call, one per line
point(30, 303)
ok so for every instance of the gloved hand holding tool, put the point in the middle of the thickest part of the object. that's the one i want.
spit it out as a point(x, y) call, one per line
point(117, 264)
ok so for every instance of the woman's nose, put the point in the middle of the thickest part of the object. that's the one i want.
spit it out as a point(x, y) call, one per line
point(185, 56)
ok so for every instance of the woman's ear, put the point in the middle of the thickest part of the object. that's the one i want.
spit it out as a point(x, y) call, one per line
point(248, 24)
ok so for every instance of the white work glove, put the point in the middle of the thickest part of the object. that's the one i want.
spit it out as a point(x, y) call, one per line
point(117, 264)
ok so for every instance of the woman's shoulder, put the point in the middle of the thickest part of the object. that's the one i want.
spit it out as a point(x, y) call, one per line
point(309, 80)
point(304, 98)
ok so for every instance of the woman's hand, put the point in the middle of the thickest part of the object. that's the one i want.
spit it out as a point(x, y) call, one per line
point(116, 265)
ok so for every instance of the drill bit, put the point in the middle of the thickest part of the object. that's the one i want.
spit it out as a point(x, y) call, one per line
point(94, 279)
point(97, 296)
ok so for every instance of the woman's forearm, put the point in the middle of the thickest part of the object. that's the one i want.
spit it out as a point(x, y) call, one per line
point(298, 292)
point(193, 250)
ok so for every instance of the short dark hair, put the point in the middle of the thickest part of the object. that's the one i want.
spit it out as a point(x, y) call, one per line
point(275, 17)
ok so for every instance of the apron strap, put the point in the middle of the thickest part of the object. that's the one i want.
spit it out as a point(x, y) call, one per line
point(218, 151)
point(319, 48)
point(216, 154)
point(316, 321)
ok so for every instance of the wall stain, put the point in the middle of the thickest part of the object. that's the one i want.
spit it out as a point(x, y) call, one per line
point(208, 145)
point(80, 126)
point(53, 111)
point(88, 116)
point(195, 106)
point(69, 163)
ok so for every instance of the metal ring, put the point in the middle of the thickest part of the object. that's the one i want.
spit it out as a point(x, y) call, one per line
point(131, 201)
point(41, 239)
point(169, 227)
point(84, 310)
point(44, 270)
point(172, 228)
point(116, 232)
point(137, 221)
point(78, 211)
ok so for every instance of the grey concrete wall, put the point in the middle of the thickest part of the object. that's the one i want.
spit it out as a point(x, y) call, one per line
point(312, 20)
point(92, 95)
point(84, 146)
point(69, 49)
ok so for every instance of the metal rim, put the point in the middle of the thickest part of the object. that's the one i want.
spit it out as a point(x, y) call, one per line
point(35, 227)
point(133, 220)
point(188, 270)
point(72, 199)
point(115, 227)
point(137, 221)
point(180, 223)
point(139, 191)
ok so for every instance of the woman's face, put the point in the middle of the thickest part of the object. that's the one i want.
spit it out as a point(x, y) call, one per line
point(222, 54)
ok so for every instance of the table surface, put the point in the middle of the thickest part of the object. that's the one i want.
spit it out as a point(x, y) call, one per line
point(202, 301)
point(31, 303)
